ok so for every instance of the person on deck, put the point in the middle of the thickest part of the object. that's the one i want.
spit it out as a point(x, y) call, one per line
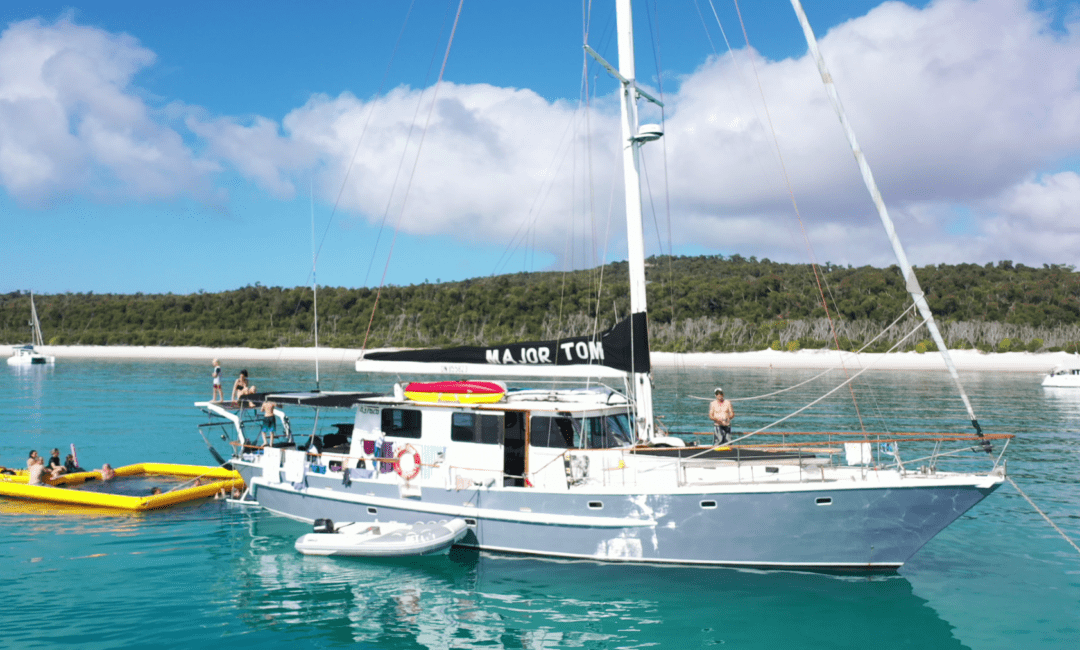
point(241, 386)
point(32, 459)
point(269, 423)
point(721, 413)
point(216, 374)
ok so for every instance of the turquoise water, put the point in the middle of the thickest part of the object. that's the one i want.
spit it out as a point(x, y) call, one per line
point(209, 572)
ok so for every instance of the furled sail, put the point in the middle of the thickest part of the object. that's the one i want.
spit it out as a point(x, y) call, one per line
point(624, 347)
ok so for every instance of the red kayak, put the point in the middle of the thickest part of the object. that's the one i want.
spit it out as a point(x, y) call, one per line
point(462, 392)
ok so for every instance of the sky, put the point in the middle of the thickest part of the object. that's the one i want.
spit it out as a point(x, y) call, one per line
point(205, 146)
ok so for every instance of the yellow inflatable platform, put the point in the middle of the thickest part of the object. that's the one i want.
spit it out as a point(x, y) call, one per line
point(204, 482)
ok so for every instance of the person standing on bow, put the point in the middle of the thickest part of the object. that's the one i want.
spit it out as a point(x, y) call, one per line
point(721, 413)
point(216, 375)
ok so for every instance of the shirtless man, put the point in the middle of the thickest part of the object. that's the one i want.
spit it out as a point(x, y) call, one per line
point(269, 423)
point(721, 413)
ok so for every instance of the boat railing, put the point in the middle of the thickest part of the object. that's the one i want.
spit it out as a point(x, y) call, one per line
point(811, 452)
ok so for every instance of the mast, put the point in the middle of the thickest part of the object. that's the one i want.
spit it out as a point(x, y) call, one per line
point(635, 240)
point(315, 288)
point(910, 281)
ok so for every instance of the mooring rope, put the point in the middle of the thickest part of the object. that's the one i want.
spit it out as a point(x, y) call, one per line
point(1052, 524)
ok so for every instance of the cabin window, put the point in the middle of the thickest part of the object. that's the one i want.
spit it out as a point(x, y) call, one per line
point(401, 423)
point(556, 433)
point(491, 428)
point(463, 427)
point(607, 432)
point(483, 428)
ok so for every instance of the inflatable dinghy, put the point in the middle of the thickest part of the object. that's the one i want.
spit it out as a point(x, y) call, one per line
point(389, 539)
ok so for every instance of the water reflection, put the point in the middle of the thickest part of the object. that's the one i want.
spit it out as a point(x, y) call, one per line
point(470, 599)
point(29, 390)
point(1065, 401)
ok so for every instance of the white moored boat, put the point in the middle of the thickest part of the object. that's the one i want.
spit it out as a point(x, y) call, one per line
point(575, 466)
point(1065, 375)
point(27, 355)
point(385, 539)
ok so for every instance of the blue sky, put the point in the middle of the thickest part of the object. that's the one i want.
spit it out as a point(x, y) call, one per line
point(177, 147)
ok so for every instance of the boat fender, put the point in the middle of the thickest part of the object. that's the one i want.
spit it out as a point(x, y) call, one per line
point(324, 526)
point(346, 480)
point(403, 458)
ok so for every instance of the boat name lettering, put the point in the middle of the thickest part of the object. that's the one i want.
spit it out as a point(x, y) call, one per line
point(570, 352)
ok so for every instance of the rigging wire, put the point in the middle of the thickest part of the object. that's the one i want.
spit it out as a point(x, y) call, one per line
point(798, 215)
point(416, 161)
point(1038, 510)
point(345, 178)
point(784, 390)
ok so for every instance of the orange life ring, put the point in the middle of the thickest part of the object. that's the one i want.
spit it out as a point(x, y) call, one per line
point(405, 451)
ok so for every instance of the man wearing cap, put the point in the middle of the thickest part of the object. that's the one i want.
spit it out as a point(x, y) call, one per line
point(720, 412)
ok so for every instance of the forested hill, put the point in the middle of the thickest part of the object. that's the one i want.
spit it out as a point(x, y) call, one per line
point(696, 304)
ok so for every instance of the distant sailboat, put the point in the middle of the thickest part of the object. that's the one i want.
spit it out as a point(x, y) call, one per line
point(27, 355)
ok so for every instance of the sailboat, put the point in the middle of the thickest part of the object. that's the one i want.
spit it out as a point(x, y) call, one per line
point(28, 355)
point(584, 472)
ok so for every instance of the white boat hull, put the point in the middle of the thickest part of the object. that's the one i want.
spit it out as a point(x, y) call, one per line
point(802, 526)
point(34, 359)
point(1061, 381)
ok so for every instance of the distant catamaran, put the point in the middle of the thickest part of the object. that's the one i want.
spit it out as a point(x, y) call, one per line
point(586, 472)
point(27, 355)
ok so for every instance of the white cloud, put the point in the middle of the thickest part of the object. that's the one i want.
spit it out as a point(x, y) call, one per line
point(71, 124)
point(959, 107)
point(947, 116)
point(1036, 220)
point(489, 159)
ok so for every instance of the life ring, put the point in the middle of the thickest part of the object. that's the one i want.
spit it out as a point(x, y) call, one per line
point(408, 450)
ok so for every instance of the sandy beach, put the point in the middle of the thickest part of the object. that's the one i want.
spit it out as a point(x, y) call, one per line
point(964, 359)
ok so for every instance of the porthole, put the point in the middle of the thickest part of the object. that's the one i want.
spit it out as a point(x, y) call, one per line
point(823, 501)
point(596, 505)
point(772, 470)
point(372, 511)
point(470, 522)
point(708, 505)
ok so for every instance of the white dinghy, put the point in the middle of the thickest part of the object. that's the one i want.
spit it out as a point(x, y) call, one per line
point(387, 539)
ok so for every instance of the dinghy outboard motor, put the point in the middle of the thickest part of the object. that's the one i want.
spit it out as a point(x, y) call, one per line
point(324, 526)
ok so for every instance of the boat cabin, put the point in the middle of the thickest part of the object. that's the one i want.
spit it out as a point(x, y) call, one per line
point(520, 441)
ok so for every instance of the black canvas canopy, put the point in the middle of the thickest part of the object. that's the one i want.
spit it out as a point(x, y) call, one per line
point(623, 347)
point(325, 400)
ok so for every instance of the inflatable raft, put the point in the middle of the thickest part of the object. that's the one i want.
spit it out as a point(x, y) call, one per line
point(391, 539)
point(190, 482)
point(462, 392)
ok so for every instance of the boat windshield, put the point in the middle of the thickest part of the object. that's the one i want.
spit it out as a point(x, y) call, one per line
point(595, 432)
